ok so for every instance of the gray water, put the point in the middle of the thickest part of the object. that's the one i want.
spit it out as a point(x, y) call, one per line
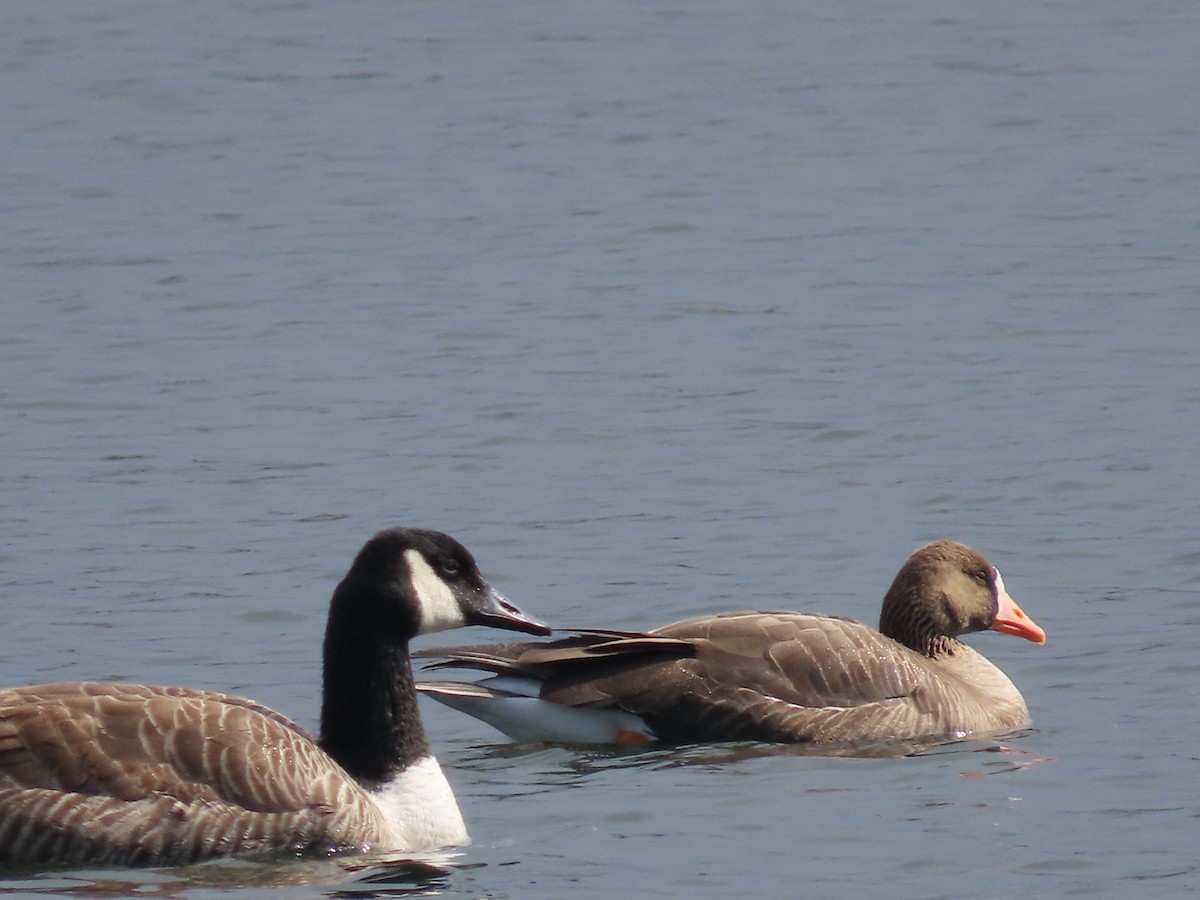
point(660, 309)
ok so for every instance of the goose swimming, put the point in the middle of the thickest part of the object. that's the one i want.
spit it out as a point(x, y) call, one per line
point(788, 677)
point(126, 774)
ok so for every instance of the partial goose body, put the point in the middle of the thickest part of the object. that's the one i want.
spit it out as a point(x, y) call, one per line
point(786, 677)
point(128, 774)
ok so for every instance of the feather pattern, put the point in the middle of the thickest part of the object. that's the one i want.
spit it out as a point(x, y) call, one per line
point(789, 676)
point(126, 774)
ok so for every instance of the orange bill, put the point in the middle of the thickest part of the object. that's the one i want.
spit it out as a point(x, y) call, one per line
point(1011, 619)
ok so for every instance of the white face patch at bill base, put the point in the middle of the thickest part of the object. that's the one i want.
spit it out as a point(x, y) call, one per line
point(439, 606)
point(1000, 591)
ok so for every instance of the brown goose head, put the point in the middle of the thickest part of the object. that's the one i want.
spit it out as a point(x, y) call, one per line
point(946, 589)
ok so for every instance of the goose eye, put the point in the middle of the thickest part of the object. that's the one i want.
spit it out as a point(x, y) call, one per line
point(449, 565)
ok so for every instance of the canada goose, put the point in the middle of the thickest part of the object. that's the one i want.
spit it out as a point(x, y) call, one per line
point(767, 676)
point(127, 774)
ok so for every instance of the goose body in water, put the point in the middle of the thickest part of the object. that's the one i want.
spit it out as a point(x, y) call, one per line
point(128, 774)
point(786, 677)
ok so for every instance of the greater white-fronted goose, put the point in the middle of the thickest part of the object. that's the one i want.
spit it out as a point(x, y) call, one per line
point(785, 677)
point(128, 774)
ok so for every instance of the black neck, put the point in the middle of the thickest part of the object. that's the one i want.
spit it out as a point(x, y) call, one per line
point(369, 719)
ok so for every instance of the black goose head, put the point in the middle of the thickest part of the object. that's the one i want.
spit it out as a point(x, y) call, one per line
point(946, 589)
point(415, 581)
point(404, 582)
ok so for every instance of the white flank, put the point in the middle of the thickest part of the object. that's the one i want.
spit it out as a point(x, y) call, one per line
point(439, 606)
point(530, 720)
point(421, 807)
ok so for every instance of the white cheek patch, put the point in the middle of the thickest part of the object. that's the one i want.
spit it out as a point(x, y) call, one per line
point(439, 608)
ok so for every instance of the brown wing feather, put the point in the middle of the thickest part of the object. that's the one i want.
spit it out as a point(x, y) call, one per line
point(808, 660)
point(94, 771)
point(783, 676)
point(770, 676)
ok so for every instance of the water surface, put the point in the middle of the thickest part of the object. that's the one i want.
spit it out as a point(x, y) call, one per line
point(660, 309)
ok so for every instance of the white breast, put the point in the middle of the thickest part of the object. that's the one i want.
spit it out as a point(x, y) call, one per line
point(421, 807)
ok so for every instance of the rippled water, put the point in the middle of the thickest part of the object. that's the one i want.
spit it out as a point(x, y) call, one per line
point(660, 309)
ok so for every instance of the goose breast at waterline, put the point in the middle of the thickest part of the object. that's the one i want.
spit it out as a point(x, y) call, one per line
point(126, 774)
point(786, 677)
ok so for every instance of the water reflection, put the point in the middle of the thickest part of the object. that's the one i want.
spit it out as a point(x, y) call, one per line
point(374, 876)
point(564, 765)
